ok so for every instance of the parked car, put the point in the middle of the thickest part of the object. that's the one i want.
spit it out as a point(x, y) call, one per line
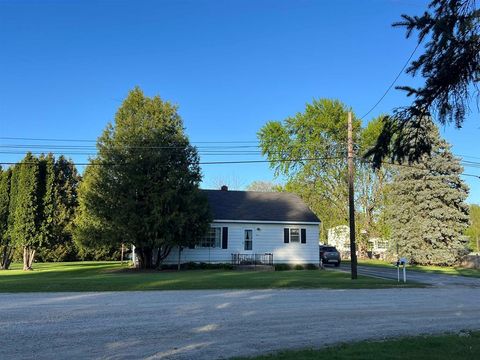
point(330, 255)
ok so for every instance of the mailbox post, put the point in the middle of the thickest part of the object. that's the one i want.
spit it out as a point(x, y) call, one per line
point(402, 262)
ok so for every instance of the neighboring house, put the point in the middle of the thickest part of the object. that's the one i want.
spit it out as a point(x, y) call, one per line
point(379, 247)
point(339, 236)
point(256, 223)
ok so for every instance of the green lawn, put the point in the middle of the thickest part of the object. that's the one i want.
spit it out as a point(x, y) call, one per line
point(446, 270)
point(113, 276)
point(444, 347)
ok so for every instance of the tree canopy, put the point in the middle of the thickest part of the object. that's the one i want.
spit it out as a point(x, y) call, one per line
point(428, 215)
point(309, 149)
point(142, 187)
point(450, 66)
point(473, 231)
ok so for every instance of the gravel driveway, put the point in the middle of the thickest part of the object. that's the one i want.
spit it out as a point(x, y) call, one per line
point(220, 324)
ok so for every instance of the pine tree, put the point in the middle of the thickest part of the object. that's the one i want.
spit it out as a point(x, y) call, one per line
point(428, 214)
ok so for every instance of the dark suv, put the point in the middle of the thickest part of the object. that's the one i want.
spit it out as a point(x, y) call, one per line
point(329, 255)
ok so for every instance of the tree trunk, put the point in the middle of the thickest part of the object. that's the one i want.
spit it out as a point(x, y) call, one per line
point(162, 253)
point(180, 249)
point(144, 255)
point(28, 256)
point(6, 259)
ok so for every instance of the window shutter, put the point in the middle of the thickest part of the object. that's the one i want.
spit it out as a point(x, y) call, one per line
point(286, 235)
point(304, 236)
point(225, 238)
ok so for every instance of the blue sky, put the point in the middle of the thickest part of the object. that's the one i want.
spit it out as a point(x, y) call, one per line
point(231, 66)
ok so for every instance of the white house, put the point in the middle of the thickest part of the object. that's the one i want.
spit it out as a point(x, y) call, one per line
point(339, 236)
point(249, 224)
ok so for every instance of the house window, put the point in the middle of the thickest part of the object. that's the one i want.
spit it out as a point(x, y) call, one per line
point(248, 240)
point(295, 235)
point(213, 238)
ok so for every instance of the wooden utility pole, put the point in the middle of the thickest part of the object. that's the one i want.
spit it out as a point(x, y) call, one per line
point(351, 199)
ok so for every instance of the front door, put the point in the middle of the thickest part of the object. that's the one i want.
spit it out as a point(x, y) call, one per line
point(248, 239)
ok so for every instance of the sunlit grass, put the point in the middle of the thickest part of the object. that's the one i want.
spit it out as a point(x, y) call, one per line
point(463, 346)
point(114, 276)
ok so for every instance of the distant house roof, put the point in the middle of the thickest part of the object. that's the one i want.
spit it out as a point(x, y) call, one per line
point(258, 206)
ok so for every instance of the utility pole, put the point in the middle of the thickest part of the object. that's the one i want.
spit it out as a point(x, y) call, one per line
point(351, 199)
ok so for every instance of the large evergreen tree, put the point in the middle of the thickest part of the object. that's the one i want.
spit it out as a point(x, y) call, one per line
point(26, 232)
point(141, 186)
point(428, 214)
point(60, 203)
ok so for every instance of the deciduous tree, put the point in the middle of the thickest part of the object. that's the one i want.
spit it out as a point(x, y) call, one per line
point(473, 231)
point(141, 186)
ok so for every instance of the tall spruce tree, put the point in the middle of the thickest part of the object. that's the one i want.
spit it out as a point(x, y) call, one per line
point(427, 213)
point(141, 186)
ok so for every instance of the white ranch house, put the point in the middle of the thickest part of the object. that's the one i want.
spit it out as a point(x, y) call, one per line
point(251, 224)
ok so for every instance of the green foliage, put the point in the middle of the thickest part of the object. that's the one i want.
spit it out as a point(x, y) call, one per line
point(282, 267)
point(142, 188)
point(310, 150)
point(6, 250)
point(27, 221)
point(263, 186)
point(60, 206)
point(450, 66)
point(450, 63)
point(428, 214)
point(298, 267)
point(33, 210)
point(473, 231)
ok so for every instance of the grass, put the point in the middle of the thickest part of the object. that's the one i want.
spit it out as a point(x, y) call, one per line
point(465, 345)
point(445, 270)
point(113, 276)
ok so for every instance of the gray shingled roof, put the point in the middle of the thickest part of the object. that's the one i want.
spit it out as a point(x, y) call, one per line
point(259, 206)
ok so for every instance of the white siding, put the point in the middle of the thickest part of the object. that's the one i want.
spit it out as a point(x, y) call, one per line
point(267, 238)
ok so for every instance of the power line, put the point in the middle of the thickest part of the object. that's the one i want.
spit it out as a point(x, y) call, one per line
point(417, 167)
point(94, 141)
point(393, 82)
point(200, 163)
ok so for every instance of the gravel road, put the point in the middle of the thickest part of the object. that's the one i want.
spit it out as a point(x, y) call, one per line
point(418, 276)
point(220, 324)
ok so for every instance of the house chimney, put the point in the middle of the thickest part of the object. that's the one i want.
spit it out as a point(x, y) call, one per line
point(224, 188)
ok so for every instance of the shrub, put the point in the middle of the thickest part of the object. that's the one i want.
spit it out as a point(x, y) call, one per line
point(298, 267)
point(311, 266)
point(282, 267)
